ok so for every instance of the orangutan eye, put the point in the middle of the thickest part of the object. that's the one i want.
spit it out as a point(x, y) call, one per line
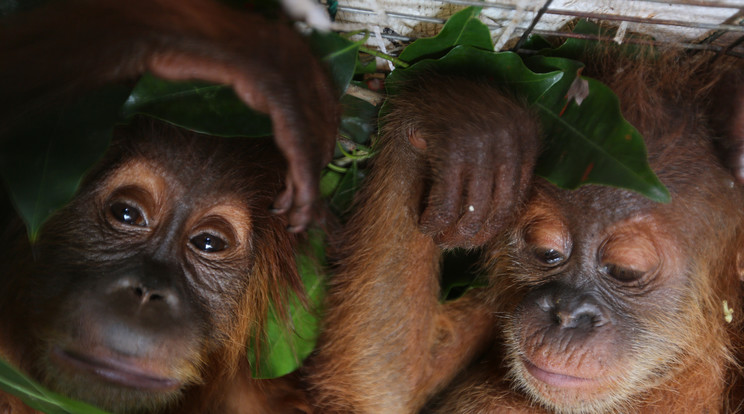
point(550, 257)
point(622, 274)
point(208, 243)
point(127, 214)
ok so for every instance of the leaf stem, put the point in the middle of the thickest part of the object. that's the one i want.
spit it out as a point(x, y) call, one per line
point(376, 53)
point(354, 155)
point(336, 168)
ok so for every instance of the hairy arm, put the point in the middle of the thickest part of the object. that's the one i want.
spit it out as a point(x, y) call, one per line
point(452, 167)
point(68, 47)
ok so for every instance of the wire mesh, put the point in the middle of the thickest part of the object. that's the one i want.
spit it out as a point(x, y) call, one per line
point(716, 25)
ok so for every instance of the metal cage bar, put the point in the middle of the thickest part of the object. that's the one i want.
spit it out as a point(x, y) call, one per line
point(726, 36)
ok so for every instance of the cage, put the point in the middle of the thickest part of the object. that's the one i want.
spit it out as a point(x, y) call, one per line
point(715, 25)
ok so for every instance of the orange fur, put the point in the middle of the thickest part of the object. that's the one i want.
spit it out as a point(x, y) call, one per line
point(259, 194)
point(388, 343)
point(37, 301)
point(382, 349)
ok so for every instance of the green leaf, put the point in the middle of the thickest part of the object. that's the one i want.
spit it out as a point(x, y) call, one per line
point(368, 65)
point(555, 95)
point(358, 119)
point(504, 69)
point(463, 28)
point(592, 143)
point(338, 184)
point(329, 182)
point(461, 271)
point(43, 163)
point(536, 43)
point(583, 144)
point(198, 106)
point(38, 397)
point(347, 187)
point(216, 109)
point(571, 48)
point(285, 347)
point(339, 54)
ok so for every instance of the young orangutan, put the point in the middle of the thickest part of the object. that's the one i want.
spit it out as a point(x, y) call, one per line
point(141, 295)
point(600, 300)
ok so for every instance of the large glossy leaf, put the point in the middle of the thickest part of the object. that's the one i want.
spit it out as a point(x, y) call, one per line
point(463, 28)
point(339, 55)
point(584, 143)
point(38, 397)
point(574, 48)
point(216, 109)
point(592, 143)
point(43, 163)
point(505, 69)
point(285, 346)
point(198, 106)
point(555, 95)
point(358, 119)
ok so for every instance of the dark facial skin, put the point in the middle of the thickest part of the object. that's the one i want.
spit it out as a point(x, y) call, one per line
point(609, 302)
point(614, 302)
point(142, 294)
point(145, 284)
point(592, 293)
point(599, 300)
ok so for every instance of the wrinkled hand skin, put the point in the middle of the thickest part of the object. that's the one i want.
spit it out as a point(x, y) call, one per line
point(269, 65)
point(389, 343)
point(479, 167)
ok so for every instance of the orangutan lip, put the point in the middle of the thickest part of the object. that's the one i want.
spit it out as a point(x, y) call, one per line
point(116, 371)
point(557, 380)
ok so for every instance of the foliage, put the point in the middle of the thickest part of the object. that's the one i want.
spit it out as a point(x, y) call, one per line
point(344, 175)
point(42, 166)
point(43, 163)
point(462, 29)
point(284, 349)
point(198, 106)
point(38, 397)
point(586, 141)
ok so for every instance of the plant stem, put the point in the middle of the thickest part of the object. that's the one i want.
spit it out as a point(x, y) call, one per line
point(377, 53)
